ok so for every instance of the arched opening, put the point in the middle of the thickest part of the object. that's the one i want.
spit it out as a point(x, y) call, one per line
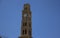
point(25, 31)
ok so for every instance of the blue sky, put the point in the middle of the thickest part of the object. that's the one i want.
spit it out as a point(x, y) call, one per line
point(45, 18)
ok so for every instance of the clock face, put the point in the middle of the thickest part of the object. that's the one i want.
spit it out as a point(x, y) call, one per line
point(25, 15)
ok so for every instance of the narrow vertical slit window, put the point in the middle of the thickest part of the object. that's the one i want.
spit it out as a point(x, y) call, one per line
point(23, 32)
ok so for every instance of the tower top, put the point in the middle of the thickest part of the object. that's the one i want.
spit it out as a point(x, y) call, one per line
point(27, 6)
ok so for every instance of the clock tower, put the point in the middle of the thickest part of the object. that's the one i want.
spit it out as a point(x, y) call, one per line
point(26, 24)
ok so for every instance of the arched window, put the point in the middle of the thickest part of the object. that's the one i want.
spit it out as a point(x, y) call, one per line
point(25, 31)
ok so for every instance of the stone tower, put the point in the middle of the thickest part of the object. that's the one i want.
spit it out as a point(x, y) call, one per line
point(26, 24)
